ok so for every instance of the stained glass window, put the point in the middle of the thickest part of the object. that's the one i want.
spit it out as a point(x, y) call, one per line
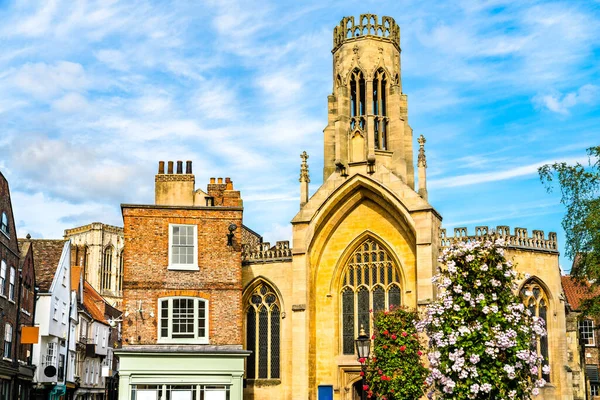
point(263, 327)
point(370, 282)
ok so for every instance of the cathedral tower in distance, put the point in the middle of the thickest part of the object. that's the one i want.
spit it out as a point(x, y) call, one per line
point(367, 111)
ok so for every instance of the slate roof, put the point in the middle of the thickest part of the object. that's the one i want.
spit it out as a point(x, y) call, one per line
point(576, 291)
point(46, 255)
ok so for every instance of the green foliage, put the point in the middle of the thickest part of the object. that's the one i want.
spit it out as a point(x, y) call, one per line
point(395, 370)
point(580, 191)
point(480, 332)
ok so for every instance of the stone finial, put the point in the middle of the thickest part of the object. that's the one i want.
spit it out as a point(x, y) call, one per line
point(422, 160)
point(304, 177)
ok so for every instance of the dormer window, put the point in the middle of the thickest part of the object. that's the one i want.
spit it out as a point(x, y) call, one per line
point(4, 224)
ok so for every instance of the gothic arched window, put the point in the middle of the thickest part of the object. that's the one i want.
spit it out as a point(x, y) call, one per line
point(370, 281)
point(380, 109)
point(536, 301)
point(106, 274)
point(357, 100)
point(263, 330)
point(119, 274)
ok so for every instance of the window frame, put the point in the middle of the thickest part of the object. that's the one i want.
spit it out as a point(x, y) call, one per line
point(11, 284)
point(169, 338)
point(589, 331)
point(384, 280)
point(3, 269)
point(8, 328)
point(263, 291)
point(184, 267)
point(4, 224)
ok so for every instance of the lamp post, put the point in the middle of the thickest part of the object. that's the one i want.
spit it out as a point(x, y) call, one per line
point(363, 349)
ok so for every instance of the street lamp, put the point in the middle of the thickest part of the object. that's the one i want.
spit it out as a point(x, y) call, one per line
point(363, 348)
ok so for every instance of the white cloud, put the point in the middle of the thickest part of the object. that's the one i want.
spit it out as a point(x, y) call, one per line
point(500, 174)
point(561, 104)
point(43, 80)
point(70, 102)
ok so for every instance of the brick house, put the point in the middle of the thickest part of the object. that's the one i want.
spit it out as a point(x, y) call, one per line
point(16, 270)
point(182, 291)
point(588, 343)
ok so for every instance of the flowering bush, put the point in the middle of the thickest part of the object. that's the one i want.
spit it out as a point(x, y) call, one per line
point(481, 334)
point(395, 370)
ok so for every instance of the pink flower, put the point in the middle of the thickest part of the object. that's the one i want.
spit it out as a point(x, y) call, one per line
point(404, 334)
point(365, 387)
point(420, 352)
point(362, 360)
point(402, 348)
point(385, 332)
point(394, 336)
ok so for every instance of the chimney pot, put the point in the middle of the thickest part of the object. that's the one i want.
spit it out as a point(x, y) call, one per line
point(227, 180)
point(188, 167)
point(212, 180)
point(161, 167)
point(180, 167)
point(220, 180)
point(170, 167)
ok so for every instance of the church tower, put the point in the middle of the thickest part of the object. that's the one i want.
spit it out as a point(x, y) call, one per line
point(367, 111)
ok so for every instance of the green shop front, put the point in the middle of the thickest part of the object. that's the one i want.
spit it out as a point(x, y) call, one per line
point(161, 372)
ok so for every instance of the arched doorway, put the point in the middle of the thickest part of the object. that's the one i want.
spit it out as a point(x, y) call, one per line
point(357, 390)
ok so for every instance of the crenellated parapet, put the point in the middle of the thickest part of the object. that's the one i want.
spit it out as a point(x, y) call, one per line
point(264, 253)
point(367, 25)
point(518, 240)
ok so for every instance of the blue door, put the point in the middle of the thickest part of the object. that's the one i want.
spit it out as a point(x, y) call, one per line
point(325, 392)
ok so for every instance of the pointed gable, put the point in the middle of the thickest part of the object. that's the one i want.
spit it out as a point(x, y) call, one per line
point(46, 256)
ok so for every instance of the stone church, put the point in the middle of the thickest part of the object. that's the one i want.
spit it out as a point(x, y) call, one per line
point(367, 239)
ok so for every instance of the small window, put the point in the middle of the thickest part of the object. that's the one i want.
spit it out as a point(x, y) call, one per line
point(183, 320)
point(183, 247)
point(55, 315)
point(3, 277)
point(586, 332)
point(595, 388)
point(11, 284)
point(51, 354)
point(8, 333)
point(64, 313)
point(4, 224)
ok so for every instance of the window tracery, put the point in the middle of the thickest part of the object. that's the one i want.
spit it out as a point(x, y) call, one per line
point(357, 100)
point(263, 330)
point(370, 281)
point(380, 109)
point(536, 301)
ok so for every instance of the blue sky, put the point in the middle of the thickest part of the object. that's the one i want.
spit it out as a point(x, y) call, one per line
point(94, 93)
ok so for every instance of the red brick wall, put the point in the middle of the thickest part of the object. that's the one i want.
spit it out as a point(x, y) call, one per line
point(9, 252)
point(147, 278)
